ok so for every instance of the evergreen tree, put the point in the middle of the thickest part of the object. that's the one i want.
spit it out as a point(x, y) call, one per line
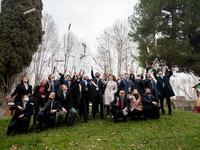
point(178, 34)
point(20, 34)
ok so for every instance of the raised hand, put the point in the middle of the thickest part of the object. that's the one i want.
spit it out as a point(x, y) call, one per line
point(146, 64)
point(58, 71)
point(65, 71)
point(155, 68)
point(9, 97)
point(131, 71)
point(167, 67)
point(91, 68)
point(83, 72)
point(129, 89)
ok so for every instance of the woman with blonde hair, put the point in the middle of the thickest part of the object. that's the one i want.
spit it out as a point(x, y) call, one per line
point(111, 89)
point(135, 103)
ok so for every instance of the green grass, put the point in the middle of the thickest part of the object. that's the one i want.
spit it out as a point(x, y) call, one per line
point(182, 131)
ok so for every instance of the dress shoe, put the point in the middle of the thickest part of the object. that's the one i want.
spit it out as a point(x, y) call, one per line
point(103, 118)
point(163, 113)
point(86, 121)
point(125, 120)
point(93, 118)
point(39, 130)
point(115, 120)
point(70, 124)
point(145, 118)
point(170, 114)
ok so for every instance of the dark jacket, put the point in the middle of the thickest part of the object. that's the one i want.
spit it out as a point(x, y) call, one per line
point(57, 85)
point(147, 100)
point(20, 91)
point(138, 83)
point(151, 84)
point(128, 83)
point(28, 111)
point(37, 96)
point(46, 108)
point(63, 81)
point(93, 88)
point(67, 103)
point(165, 80)
point(115, 108)
point(120, 87)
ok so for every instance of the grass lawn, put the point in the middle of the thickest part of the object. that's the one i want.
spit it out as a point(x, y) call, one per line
point(182, 131)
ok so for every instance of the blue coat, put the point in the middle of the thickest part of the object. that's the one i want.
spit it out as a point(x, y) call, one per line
point(165, 80)
point(127, 83)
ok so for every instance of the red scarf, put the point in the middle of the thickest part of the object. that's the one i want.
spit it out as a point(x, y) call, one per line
point(41, 89)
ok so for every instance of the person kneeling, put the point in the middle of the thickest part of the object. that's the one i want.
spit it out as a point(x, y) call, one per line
point(150, 105)
point(22, 116)
point(135, 103)
point(120, 106)
point(47, 114)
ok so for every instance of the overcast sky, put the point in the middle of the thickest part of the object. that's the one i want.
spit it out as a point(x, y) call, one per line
point(88, 17)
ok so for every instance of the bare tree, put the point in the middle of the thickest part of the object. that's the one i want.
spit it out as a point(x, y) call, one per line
point(47, 49)
point(69, 42)
point(115, 46)
point(105, 50)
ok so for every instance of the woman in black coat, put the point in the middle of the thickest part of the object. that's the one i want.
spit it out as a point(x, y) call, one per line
point(39, 97)
point(22, 89)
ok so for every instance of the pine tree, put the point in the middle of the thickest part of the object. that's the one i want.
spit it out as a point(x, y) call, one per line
point(178, 34)
point(20, 34)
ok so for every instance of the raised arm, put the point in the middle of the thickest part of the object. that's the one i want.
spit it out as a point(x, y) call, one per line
point(154, 73)
point(103, 80)
point(92, 73)
point(170, 72)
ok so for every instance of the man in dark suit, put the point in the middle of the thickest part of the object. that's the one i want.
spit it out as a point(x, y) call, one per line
point(66, 104)
point(47, 114)
point(164, 88)
point(150, 106)
point(67, 81)
point(120, 85)
point(127, 83)
point(22, 116)
point(151, 84)
point(120, 104)
point(84, 109)
point(55, 84)
point(138, 82)
point(97, 94)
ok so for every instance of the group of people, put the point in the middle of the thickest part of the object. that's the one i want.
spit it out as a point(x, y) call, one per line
point(69, 97)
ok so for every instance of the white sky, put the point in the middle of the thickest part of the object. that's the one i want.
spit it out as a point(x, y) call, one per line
point(88, 17)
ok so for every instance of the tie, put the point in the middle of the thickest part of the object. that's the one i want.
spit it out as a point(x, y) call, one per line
point(51, 105)
point(69, 85)
point(152, 84)
point(122, 104)
point(24, 106)
point(53, 86)
point(97, 82)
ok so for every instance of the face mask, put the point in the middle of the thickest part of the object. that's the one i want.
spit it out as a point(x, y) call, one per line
point(97, 76)
point(26, 99)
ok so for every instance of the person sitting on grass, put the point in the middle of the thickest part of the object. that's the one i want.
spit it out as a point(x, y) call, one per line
point(120, 106)
point(150, 105)
point(22, 116)
point(48, 112)
point(135, 103)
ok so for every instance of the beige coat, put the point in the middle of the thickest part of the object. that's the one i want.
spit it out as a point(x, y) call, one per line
point(134, 103)
point(111, 89)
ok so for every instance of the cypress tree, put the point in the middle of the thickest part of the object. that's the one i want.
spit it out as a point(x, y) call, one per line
point(20, 34)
